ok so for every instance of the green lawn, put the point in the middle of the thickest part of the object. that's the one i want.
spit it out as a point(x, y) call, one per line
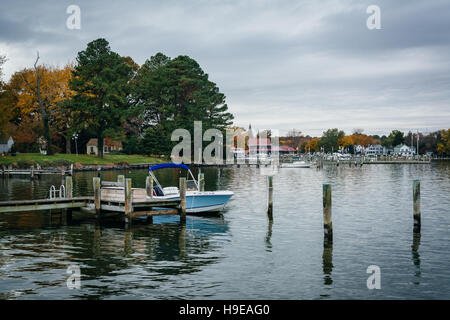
point(29, 159)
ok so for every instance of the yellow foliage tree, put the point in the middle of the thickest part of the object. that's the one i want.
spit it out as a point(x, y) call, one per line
point(313, 145)
point(443, 146)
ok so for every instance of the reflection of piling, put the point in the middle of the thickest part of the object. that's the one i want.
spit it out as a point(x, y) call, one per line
point(415, 252)
point(270, 198)
point(327, 262)
point(182, 200)
point(327, 223)
point(97, 194)
point(416, 205)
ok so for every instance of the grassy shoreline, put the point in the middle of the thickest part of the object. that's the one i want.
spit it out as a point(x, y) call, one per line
point(26, 160)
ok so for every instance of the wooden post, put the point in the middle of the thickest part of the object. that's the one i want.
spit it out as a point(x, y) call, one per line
point(9, 170)
point(149, 186)
point(416, 205)
point(327, 223)
point(183, 200)
point(121, 178)
point(128, 200)
point(97, 194)
point(32, 172)
point(71, 169)
point(270, 198)
point(69, 187)
point(201, 181)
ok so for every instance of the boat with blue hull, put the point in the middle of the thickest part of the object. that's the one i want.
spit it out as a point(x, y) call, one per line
point(196, 201)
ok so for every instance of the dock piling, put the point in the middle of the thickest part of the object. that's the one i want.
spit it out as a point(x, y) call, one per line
point(270, 198)
point(201, 181)
point(149, 186)
point(97, 194)
point(32, 172)
point(183, 200)
point(69, 187)
point(128, 200)
point(416, 205)
point(327, 222)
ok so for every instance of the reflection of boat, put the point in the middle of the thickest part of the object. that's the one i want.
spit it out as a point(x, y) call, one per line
point(196, 200)
point(296, 164)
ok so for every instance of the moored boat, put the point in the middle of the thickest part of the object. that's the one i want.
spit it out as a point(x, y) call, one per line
point(196, 201)
point(296, 164)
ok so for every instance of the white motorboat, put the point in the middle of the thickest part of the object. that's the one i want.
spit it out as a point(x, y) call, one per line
point(296, 164)
point(196, 200)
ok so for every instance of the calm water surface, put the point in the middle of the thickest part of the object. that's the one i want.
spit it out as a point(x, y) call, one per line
point(239, 254)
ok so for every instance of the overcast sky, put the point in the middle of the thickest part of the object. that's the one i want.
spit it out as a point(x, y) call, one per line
point(309, 65)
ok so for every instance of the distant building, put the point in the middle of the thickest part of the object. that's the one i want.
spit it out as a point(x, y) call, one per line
point(6, 145)
point(108, 146)
point(259, 145)
point(404, 150)
point(376, 150)
point(284, 150)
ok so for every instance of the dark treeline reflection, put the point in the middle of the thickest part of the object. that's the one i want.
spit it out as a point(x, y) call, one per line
point(107, 248)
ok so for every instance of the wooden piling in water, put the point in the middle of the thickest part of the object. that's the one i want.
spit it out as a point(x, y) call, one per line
point(270, 198)
point(416, 205)
point(149, 186)
point(97, 194)
point(327, 222)
point(201, 181)
point(128, 200)
point(182, 210)
point(69, 187)
point(32, 172)
point(9, 170)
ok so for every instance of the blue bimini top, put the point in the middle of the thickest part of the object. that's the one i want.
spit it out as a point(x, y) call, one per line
point(168, 165)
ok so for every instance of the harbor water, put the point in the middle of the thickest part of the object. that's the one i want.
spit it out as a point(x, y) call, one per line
point(240, 254)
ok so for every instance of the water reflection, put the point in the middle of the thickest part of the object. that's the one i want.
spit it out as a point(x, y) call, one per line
point(415, 254)
point(105, 250)
point(327, 262)
point(269, 236)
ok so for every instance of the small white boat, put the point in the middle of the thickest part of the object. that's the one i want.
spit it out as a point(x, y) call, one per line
point(196, 200)
point(296, 164)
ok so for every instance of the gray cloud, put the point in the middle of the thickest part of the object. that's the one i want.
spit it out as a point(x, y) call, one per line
point(282, 64)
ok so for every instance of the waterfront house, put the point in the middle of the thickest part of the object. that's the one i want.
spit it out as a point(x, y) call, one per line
point(404, 150)
point(376, 150)
point(6, 145)
point(108, 146)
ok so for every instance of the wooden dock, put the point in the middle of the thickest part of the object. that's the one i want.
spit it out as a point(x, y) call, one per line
point(117, 197)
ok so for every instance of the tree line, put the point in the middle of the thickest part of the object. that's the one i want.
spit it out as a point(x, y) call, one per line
point(103, 94)
point(437, 142)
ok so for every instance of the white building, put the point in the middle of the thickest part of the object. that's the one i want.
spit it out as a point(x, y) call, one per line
point(404, 150)
point(6, 145)
point(376, 150)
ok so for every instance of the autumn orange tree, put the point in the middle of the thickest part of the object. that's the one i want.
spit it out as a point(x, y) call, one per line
point(312, 145)
point(26, 109)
